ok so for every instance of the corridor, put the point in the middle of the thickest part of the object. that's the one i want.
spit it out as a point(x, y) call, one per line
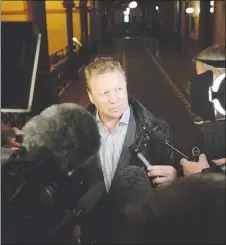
point(152, 86)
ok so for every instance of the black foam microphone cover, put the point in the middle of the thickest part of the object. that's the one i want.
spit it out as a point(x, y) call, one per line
point(130, 189)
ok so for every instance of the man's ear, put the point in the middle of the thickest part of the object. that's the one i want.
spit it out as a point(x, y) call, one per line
point(90, 96)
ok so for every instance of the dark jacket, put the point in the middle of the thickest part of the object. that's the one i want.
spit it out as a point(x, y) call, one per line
point(151, 134)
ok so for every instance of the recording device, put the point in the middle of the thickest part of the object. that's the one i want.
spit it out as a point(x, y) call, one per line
point(8, 154)
point(20, 56)
point(48, 179)
point(134, 149)
point(33, 178)
point(85, 204)
point(176, 150)
point(207, 95)
point(213, 166)
point(195, 153)
point(129, 189)
point(215, 169)
point(38, 197)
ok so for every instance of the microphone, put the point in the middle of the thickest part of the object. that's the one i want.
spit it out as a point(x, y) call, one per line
point(159, 134)
point(85, 205)
point(134, 149)
point(129, 190)
point(91, 198)
point(68, 130)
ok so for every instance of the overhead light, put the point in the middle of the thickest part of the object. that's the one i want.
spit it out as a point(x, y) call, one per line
point(211, 3)
point(157, 7)
point(212, 10)
point(133, 5)
point(189, 10)
point(128, 9)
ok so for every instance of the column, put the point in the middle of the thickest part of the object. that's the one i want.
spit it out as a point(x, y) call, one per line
point(69, 5)
point(83, 21)
point(219, 22)
point(37, 15)
point(45, 93)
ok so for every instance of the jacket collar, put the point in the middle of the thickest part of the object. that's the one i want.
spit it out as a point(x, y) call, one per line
point(144, 117)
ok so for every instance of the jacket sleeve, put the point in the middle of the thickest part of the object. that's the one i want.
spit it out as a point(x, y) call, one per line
point(157, 151)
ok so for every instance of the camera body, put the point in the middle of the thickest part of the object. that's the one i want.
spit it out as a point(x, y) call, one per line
point(36, 196)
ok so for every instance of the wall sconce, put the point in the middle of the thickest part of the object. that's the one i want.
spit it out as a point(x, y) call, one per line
point(75, 40)
point(189, 10)
point(133, 4)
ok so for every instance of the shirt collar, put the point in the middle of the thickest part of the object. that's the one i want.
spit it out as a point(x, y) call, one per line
point(124, 119)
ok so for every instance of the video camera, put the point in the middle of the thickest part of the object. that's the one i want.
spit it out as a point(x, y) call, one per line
point(35, 195)
point(207, 95)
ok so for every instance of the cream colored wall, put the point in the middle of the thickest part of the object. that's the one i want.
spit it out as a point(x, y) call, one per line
point(76, 23)
point(56, 26)
point(14, 11)
point(89, 5)
point(55, 19)
point(195, 16)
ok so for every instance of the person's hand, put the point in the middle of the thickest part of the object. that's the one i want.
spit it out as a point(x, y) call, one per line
point(17, 131)
point(12, 140)
point(220, 161)
point(190, 167)
point(165, 174)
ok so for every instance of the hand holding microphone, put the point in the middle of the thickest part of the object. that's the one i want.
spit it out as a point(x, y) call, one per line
point(190, 168)
point(164, 174)
point(161, 174)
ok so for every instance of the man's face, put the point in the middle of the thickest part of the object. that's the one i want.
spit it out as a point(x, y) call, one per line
point(108, 93)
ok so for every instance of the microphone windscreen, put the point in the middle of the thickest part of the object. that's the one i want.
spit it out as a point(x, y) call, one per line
point(130, 189)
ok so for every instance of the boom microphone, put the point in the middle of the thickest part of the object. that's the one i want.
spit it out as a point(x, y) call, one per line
point(50, 179)
point(159, 137)
point(68, 130)
point(134, 149)
point(85, 204)
point(129, 189)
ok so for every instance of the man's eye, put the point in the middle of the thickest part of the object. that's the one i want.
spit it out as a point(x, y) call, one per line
point(105, 93)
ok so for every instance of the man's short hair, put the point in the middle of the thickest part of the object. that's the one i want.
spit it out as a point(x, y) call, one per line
point(100, 66)
point(213, 52)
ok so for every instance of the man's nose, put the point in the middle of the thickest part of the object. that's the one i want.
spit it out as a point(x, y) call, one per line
point(113, 97)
